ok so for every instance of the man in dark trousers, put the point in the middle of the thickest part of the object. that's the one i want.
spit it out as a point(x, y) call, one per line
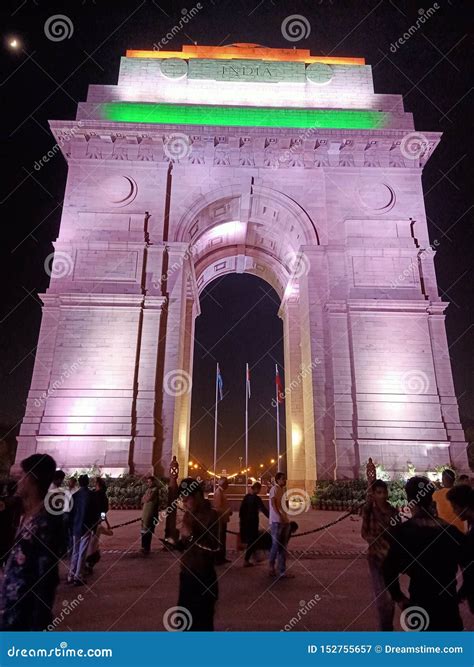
point(429, 551)
point(84, 518)
point(249, 511)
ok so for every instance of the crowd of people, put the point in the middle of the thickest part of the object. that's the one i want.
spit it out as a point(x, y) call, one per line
point(42, 521)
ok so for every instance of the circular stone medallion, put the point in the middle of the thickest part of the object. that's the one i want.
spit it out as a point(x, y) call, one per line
point(174, 68)
point(376, 196)
point(119, 190)
point(319, 73)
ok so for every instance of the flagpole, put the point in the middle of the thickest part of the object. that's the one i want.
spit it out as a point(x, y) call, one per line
point(215, 426)
point(246, 427)
point(277, 387)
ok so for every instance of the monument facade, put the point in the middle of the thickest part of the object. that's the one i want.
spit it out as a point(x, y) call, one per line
point(245, 159)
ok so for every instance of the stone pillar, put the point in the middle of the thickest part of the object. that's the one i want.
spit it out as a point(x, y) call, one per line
point(444, 382)
point(317, 370)
point(41, 381)
point(177, 350)
point(295, 426)
point(144, 409)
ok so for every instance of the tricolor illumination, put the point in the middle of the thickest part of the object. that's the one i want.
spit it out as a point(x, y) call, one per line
point(182, 114)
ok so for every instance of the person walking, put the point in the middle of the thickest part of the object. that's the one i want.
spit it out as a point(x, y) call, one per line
point(377, 518)
point(250, 509)
point(224, 511)
point(150, 508)
point(428, 550)
point(280, 529)
point(199, 542)
point(444, 509)
point(31, 573)
point(84, 518)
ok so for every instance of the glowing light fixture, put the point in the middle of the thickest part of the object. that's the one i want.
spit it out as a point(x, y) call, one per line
point(182, 114)
point(244, 51)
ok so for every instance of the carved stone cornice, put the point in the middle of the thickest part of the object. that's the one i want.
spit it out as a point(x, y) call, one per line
point(272, 148)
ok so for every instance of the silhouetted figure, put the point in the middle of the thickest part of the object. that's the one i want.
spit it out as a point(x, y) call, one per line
point(31, 573)
point(84, 517)
point(10, 514)
point(224, 511)
point(102, 507)
point(444, 508)
point(371, 472)
point(150, 507)
point(377, 518)
point(171, 532)
point(250, 509)
point(461, 498)
point(198, 589)
point(429, 551)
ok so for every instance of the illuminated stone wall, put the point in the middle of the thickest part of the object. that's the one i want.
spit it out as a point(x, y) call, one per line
point(180, 174)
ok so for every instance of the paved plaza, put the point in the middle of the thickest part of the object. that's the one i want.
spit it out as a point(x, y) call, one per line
point(331, 589)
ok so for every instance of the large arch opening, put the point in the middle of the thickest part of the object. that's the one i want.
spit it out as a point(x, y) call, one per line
point(238, 323)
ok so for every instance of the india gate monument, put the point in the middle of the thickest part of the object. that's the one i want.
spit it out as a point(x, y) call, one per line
point(244, 159)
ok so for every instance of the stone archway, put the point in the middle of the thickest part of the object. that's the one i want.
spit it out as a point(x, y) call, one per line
point(232, 231)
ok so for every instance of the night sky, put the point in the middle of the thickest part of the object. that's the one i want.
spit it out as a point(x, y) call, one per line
point(45, 80)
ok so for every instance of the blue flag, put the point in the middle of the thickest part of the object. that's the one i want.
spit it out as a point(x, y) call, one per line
point(220, 384)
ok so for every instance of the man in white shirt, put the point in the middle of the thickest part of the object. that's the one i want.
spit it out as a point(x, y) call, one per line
point(279, 526)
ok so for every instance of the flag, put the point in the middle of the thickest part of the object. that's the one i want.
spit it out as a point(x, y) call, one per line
point(279, 386)
point(248, 380)
point(220, 383)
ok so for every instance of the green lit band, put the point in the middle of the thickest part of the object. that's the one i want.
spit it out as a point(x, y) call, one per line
point(182, 114)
